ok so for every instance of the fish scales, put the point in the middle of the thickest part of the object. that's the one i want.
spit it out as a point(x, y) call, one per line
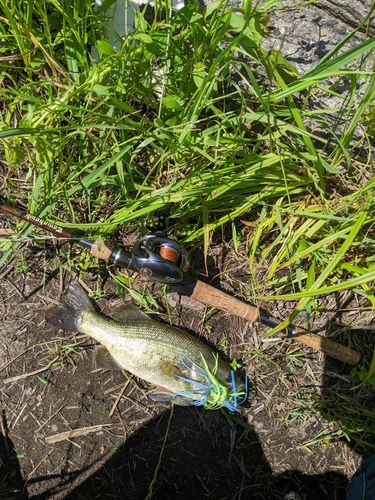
point(147, 348)
point(153, 351)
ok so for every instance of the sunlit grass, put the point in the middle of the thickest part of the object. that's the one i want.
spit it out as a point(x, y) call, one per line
point(183, 113)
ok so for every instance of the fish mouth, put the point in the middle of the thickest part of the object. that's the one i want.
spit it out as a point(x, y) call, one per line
point(234, 381)
point(240, 387)
point(238, 383)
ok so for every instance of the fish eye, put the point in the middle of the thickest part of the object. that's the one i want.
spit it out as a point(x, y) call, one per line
point(228, 378)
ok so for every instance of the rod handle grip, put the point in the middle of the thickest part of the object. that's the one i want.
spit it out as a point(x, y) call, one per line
point(100, 250)
point(220, 300)
point(211, 296)
point(326, 346)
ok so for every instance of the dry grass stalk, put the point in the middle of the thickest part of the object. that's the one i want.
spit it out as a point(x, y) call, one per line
point(30, 374)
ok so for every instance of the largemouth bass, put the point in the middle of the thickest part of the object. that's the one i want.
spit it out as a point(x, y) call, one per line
point(183, 368)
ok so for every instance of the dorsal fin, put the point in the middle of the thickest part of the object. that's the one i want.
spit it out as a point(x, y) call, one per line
point(128, 313)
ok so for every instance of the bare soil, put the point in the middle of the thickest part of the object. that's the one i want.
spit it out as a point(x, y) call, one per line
point(121, 436)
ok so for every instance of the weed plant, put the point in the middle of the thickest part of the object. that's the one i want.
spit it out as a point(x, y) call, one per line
point(7, 490)
point(192, 111)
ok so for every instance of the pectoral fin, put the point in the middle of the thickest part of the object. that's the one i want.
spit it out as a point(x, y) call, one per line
point(104, 359)
point(162, 395)
point(170, 370)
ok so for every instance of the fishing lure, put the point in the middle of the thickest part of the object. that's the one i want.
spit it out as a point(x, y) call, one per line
point(205, 389)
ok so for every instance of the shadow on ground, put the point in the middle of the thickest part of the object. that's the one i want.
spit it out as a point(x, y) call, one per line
point(204, 456)
point(221, 463)
point(11, 481)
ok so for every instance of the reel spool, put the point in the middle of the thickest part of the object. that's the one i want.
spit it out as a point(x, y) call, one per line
point(168, 253)
point(163, 259)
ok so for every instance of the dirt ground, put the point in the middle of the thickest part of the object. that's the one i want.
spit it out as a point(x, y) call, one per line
point(124, 446)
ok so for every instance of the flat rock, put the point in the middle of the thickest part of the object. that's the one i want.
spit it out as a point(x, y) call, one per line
point(350, 12)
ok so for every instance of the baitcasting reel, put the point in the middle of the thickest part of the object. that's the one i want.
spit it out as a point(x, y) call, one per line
point(160, 259)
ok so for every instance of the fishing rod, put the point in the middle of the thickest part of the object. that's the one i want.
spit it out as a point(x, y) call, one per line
point(164, 260)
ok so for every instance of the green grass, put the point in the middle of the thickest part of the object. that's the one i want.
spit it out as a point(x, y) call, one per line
point(7, 490)
point(60, 350)
point(191, 110)
point(345, 419)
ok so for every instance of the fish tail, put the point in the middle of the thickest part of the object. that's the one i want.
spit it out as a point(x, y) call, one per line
point(68, 314)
